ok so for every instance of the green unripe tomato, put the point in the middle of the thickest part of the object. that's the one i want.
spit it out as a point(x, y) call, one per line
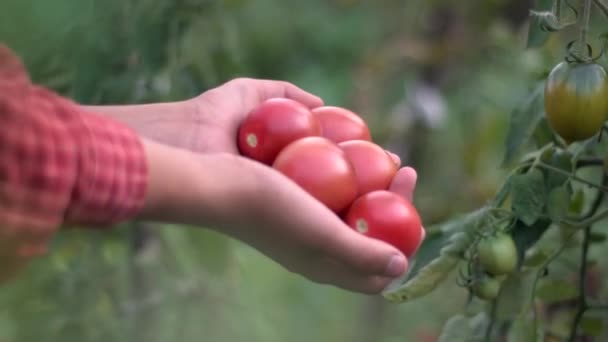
point(487, 288)
point(498, 254)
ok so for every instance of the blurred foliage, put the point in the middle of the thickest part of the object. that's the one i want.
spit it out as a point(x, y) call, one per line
point(436, 80)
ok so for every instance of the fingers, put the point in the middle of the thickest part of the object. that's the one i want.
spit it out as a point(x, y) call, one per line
point(267, 89)
point(332, 272)
point(364, 255)
point(404, 182)
point(295, 93)
point(395, 158)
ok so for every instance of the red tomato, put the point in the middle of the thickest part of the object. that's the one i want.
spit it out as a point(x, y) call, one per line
point(374, 167)
point(340, 124)
point(389, 217)
point(321, 168)
point(273, 125)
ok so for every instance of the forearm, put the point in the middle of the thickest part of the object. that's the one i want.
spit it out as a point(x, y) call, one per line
point(163, 122)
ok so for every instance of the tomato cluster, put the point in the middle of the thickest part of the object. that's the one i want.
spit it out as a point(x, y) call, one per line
point(497, 257)
point(328, 151)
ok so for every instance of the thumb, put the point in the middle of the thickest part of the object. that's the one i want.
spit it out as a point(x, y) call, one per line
point(366, 255)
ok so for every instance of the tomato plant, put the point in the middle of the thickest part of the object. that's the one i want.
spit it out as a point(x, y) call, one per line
point(576, 99)
point(321, 168)
point(389, 217)
point(273, 125)
point(374, 167)
point(340, 124)
point(498, 254)
point(510, 252)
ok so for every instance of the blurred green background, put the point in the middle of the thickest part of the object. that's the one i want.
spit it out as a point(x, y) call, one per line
point(436, 80)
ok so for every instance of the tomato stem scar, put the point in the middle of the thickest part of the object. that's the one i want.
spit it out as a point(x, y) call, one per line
point(362, 226)
point(252, 140)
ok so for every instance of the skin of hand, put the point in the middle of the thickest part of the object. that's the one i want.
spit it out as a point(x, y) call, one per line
point(259, 206)
point(209, 122)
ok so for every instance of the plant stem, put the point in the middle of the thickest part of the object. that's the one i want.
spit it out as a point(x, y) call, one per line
point(581, 223)
point(541, 271)
point(583, 305)
point(592, 216)
point(490, 327)
point(558, 9)
point(576, 178)
point(582, 283)
point(584, 26)
point(589, 162)
point(603, 7)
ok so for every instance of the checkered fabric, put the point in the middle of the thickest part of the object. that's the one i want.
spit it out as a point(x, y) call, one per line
point(59, 166)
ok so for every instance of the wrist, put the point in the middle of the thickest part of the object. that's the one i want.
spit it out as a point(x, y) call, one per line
point(211, 190)
point(171, 123)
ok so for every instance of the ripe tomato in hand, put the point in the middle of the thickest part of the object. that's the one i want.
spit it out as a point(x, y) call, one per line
point(321, 168)
point(374, 167)
point(340, 124)
point(274, 124)
point(389, 217)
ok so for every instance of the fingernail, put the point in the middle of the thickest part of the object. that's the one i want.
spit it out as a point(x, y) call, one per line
point(396, 266)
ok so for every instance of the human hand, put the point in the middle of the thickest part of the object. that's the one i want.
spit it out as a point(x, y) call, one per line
point(308, 239)
point(207, 123)
point(263, 208)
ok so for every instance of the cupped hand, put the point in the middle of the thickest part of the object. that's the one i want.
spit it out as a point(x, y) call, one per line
point(306, 238)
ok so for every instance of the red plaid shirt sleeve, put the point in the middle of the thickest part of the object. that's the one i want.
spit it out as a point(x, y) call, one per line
point(59, 165)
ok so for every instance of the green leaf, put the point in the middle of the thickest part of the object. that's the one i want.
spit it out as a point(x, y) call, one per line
point(562, 160)
point(528, 192)
point(537, 36)
point(558, 202)
point(556, 291)
point(463, 328)
point(525, 329)
point(524, 120)
point(577, 202)
point(437, 257)
point(479, 326)
point(543, 134)
point(514, 294)
point(526, 236)
point(456, 329)
point(537, 259)
point(580, 149)
point(593, 326)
